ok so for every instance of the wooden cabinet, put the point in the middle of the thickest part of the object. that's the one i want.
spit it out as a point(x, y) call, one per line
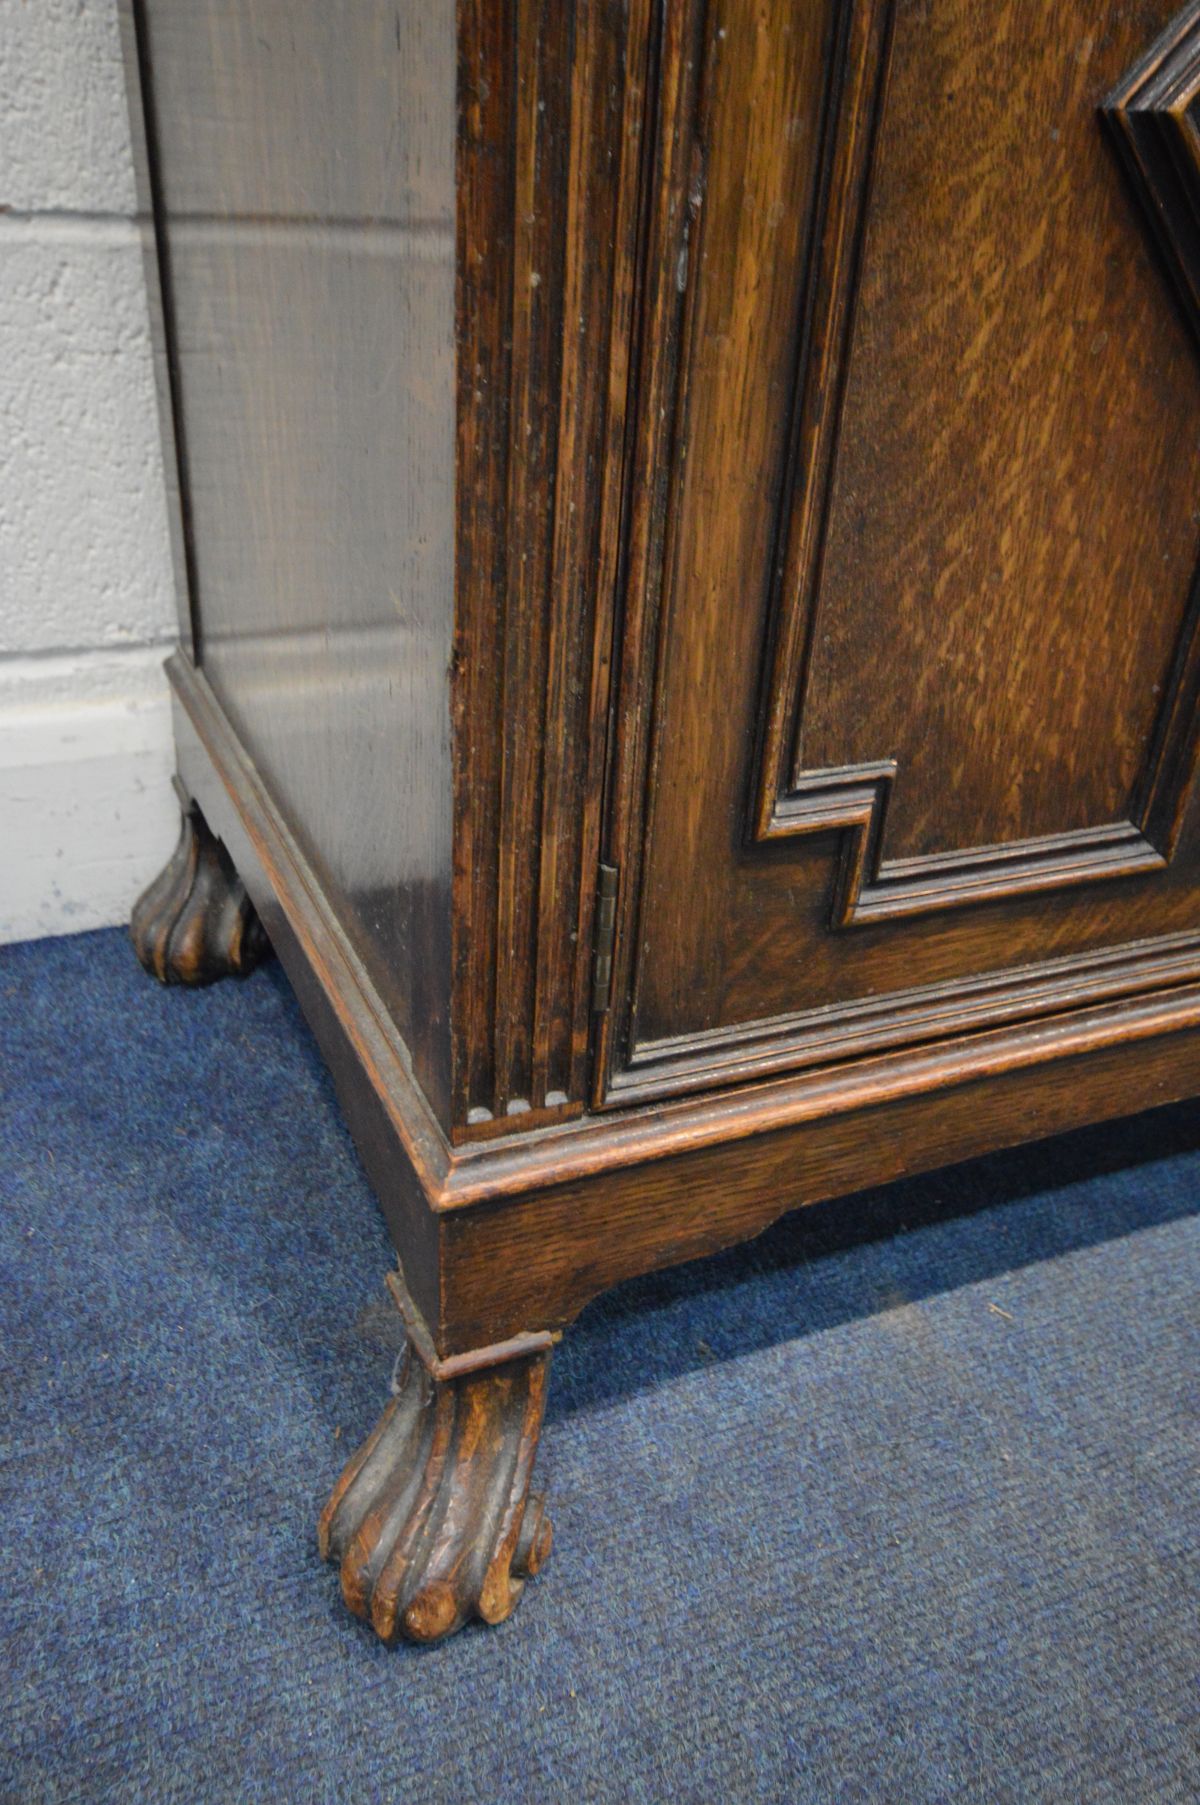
point(687, 536)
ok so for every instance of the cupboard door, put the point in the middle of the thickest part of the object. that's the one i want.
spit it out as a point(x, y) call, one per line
point(908, 675)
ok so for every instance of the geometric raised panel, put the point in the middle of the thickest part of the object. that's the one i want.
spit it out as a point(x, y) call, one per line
point(908, 611)
point(1154, 117)
point(1155, 121)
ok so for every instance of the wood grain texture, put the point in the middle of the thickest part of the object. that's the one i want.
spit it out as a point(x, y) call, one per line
point(506, 1238)
point(540, 1254)
point(550, 114)
point(1057, 566)
point(935, 379)
point(433, 1521)
point(661, 214)
point(1018, 451)
point(736, 455)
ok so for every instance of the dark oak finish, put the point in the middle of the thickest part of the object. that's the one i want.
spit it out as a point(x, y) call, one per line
point(551, 104)
point(504, 1240)
point(729, 459)
point(1154, 116)
point(302, 160)
point(433, 1522)
point(195, 923)
point(951, 413)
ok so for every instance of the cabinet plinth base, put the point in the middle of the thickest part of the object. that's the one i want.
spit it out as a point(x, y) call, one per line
point(433, 1522)
point(196, 923)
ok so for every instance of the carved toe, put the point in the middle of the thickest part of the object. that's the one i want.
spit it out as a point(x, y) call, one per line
point(432, 1520)
point(195, 923)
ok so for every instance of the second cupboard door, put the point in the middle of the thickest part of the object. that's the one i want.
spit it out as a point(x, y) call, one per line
point(908, 670)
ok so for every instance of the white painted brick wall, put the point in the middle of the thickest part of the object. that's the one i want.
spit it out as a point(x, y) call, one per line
point(64, 141)
point(86, 600)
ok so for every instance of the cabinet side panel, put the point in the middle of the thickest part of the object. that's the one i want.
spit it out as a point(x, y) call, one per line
point(304, 164)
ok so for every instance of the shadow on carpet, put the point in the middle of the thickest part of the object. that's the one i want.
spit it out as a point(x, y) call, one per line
point(898, 1502)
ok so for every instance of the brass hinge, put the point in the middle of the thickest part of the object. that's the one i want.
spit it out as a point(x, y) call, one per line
point(606, 927)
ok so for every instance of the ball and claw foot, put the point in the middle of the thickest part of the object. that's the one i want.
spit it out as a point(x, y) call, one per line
point(195, 923)
point(432, 1521)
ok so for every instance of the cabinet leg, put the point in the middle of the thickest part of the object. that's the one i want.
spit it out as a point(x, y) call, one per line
point(433, 1521)
point(195, 923)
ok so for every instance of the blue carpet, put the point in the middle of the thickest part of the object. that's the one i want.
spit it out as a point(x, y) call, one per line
point(898, 1503)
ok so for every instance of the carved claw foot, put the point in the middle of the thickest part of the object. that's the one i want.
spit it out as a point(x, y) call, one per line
point(433, 1521)
point(195, 923)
